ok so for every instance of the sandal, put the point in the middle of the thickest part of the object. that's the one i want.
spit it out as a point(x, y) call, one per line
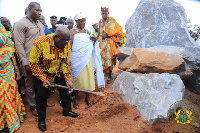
point(109, 80)
point(89, 103)
point(76, 105)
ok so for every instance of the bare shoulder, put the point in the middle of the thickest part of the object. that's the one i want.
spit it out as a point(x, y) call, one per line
point(73, 31)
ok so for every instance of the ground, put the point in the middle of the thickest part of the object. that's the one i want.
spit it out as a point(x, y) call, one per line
point(109, 114)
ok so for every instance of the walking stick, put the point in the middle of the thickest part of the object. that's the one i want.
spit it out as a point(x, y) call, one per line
point(65, 87)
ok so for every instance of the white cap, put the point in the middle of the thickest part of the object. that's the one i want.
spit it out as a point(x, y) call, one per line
point(79, 16)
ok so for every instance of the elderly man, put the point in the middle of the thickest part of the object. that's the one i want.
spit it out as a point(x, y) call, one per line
point(6, 23)
point(110, 37)
point(50, 62)
point(15, 58)
point(85, 51)
point(26, 30)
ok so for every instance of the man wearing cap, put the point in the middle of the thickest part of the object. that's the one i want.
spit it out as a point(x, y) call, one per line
point(110, 37)
point(53, 20)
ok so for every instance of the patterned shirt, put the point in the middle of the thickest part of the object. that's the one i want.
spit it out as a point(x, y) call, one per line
point(47, 61)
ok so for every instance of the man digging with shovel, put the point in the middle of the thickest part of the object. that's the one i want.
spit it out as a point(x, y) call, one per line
point(50, 62)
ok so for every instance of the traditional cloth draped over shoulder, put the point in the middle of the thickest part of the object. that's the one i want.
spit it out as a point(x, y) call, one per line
point(10, 44)
point(12, 110)
point(82, 50)
point(113, 29)
point(81, 53)
point(109, 45)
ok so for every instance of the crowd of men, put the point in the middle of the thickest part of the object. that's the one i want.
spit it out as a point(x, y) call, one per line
point(196, 36)
point(64, 54)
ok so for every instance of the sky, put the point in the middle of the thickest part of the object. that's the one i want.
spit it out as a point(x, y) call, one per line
point(121, 10)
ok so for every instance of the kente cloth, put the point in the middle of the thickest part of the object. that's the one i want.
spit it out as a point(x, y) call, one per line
point(82, 50)
point(15, 58)
point(109, 45)
point(5, 41)
point(9, 34)
point(12, 110)
point(47, 61)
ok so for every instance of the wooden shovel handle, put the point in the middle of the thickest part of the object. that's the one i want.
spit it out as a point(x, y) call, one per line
point(65, 87)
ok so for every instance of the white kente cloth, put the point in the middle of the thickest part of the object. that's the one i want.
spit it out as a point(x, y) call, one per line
point(82, 50)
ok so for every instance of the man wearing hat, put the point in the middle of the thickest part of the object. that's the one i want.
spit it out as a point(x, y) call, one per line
point(53, 20)
point(110, 37)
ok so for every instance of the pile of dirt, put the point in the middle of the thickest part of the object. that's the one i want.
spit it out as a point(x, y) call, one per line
point(109, 114)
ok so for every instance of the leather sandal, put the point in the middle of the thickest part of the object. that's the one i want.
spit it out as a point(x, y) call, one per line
point(109, 80)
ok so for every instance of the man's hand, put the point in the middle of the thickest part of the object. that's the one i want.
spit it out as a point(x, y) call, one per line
point(70, 85)
point(28, 70)
point(46, 84)
point(93, 38)
point(105, 36)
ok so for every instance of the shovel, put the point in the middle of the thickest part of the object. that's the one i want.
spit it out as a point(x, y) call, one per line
point(65, 87)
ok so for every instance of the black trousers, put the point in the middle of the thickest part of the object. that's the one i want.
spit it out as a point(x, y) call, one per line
point(42, 95)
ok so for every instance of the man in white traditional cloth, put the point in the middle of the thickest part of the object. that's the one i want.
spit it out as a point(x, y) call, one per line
point(85, 58)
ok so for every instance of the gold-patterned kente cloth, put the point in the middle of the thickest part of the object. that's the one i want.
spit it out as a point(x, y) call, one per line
point(108, 46)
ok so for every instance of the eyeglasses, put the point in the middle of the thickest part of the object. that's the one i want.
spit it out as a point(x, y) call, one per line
point(64, 40)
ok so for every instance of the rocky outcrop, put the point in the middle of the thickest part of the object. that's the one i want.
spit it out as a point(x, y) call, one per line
point(158, 22)
point(152, 94)
point(147, 61)
point(163, 22)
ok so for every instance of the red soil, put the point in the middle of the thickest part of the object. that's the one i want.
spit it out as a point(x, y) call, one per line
point(109, 114)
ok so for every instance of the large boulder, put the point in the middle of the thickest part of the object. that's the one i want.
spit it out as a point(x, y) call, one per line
point(163, 22)
point(152, 94)
point(123, 52)
point(158, 22)
point(147, 61)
